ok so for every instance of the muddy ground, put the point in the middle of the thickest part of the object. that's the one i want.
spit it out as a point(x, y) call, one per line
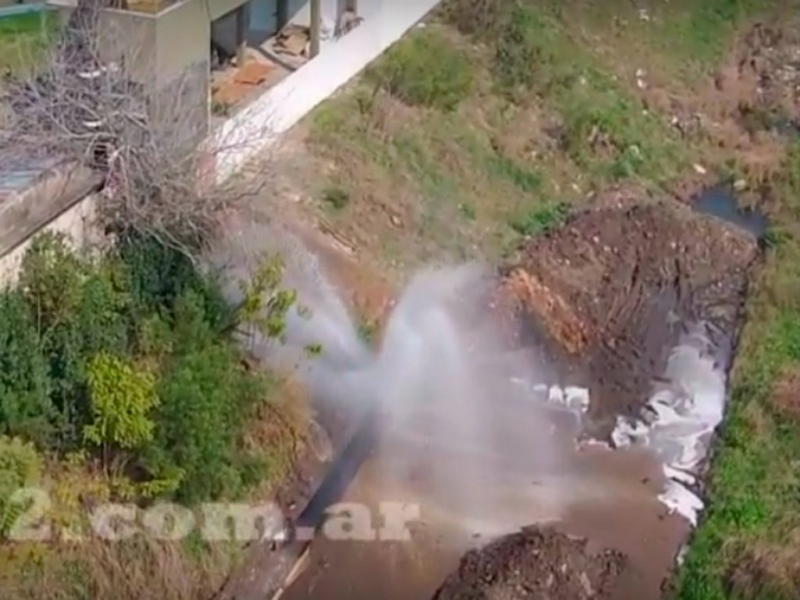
point(615, 287)
point(611, 292)
point(540, 564)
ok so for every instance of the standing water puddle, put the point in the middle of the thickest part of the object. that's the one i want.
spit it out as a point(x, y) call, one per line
point(720, 201)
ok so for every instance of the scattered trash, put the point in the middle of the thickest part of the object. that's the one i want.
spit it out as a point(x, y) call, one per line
point(293, 40)
point(640, 81)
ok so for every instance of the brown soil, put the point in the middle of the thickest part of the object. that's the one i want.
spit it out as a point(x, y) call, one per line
point(786, 398)
point(612, 288)
point(535, 563)
point(743, 111)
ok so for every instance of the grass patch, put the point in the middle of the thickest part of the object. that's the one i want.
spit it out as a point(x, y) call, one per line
point(442, 122)
point(697, 34)
point(684, 39)
point(746, 547)
point(606, 132)
point(24, 40)
point(336, 197)
point(425, 69)
point(541, 219)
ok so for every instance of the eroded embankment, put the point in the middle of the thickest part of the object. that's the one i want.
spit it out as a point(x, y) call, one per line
point(616, 287)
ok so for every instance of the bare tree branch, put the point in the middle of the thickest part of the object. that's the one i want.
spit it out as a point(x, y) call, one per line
point(100, 101)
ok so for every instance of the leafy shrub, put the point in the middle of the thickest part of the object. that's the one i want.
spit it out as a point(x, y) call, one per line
point(336, 197)
point(121, 400)
point(425, 69)
point(20, 466)
point(205, 401)
point(130, 355)
point(26, 408)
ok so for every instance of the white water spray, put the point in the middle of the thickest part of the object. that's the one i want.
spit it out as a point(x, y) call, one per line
point(685, 413)
point(452, 419)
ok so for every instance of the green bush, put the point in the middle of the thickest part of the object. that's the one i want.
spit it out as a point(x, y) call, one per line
point(336, 197)
point(425, 69)
point(475, 17)
point(129, 357)
point(20, 466)
point(26, 407)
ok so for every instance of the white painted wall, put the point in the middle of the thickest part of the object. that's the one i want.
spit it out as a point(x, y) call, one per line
point(257, 126)
point(78, 222)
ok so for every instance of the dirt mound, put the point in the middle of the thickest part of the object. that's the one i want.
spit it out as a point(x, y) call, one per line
point(534, 563)
point(612, 289)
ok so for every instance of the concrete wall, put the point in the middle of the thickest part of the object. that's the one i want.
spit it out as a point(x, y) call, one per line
point(155, 47)
point(263, 14)
point(218, 8)
point(63, 200)
point(169, 53)
point(132, 37)
point(331, 9)
point(183, 34)
point(223, 30)
point(78, 223)
point(122, 35)
point(183, 67)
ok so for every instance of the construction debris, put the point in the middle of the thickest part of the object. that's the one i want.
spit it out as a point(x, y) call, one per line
point(294, 40)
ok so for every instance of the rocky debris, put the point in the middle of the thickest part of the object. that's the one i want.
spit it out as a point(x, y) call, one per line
point(611, 291)
point(534, 563)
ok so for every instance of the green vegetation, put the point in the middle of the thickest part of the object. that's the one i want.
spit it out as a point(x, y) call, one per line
point(23, 39)
point(606, 131)
point(127, 358)
point(540, 220)
point(424, 70)
point(120, 381)
point(20, 467)
point(335, 197)
point(683, 39)
point(746, 546)
point(487, 114)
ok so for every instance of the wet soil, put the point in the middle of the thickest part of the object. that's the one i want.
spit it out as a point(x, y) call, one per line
point(608, 292)
point(540, 564)
point(470, 494)
point(611, 290)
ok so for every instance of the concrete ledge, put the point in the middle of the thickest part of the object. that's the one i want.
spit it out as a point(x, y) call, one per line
point(60, 199)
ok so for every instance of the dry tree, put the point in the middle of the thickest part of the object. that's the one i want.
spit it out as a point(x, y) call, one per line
point(98, 100)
